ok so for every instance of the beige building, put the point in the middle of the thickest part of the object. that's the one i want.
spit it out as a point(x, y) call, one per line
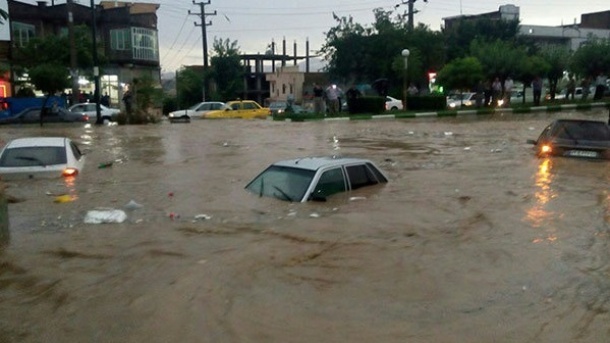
point(286, 81)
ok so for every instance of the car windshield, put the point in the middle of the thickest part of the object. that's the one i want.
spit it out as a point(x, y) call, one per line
point(33, 156)
point(459, 97)
point(284, 183)
point(277, 105)
point(591, 131)
point(194, 107)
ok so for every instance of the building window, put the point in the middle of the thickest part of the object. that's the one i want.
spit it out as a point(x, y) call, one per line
point(119, 39)
point(145, 44)
point(22, 33)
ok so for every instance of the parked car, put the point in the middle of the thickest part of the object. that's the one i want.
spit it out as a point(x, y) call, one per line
point(246, 109)
point(89, 109)
point(196, 111)
point(461, 100)
point(51, 115)
point(393, 104)
point(315, 178)
point(574, 138)
point(40, 157)
point(278, 107)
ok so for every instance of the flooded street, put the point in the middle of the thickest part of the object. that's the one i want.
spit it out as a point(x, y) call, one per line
point(473, 239)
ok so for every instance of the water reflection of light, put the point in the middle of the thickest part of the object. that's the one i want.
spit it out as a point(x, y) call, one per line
point(336, 143)
point(538, 215)
point(70, 183)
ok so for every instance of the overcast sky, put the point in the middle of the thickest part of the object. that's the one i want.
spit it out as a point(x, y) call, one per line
point(255, 23)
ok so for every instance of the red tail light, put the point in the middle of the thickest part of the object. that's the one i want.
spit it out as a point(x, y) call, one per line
point(70, 172)
point(86, 117)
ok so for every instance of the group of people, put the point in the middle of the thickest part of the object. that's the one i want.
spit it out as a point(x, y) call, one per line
point(330, 98)
point(497, 92)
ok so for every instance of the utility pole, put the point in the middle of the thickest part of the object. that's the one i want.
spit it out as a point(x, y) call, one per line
point(73, 60)
point(204, 38)
point(411, 11)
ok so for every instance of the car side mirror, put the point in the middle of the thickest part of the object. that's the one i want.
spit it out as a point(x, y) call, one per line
point(531, 141)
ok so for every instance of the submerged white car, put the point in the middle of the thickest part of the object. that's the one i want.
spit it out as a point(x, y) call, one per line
point(196, 111)
point(315, 178)
point(40, 157)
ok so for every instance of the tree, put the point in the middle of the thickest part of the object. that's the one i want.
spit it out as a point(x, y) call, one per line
point(53, 49)
point(499, 58)
point(592, 58)
point(558, 58)
point(49, 78)
point(461, 74)
point(356, 53)
point(226, 70)
point(459, 37)
point(529, 68)
point(189, 87)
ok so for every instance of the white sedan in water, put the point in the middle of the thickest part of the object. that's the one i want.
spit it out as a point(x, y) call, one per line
point(40, 157)
point(393, 104)
point(315, 178)
point(196, 111)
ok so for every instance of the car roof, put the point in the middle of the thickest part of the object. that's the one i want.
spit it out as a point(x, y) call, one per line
point(315, 163)
point(579, 121)
point(37, 141)
point(237, 101)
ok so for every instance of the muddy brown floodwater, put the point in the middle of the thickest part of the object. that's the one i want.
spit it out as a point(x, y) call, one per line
point(473, 239)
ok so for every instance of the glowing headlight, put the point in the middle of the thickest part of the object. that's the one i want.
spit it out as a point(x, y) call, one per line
point(545, 149)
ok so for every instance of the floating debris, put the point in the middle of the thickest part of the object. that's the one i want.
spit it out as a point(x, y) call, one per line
point(203, 217)
point(105, 216)
point(132, 205)
point(64, 198)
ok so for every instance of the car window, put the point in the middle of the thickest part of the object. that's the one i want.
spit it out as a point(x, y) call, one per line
point(330, 182)
point(360, 176)
point(592, 131)
point(91, 108)
point(235, 106)
point(282, 182)
point(380, 177)
point(249, 106)
point(33, 156)
point(216, 106)
point(76, 151)
point(204, 107)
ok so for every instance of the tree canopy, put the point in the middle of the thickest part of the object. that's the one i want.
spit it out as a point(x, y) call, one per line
point(226, 70)
point(356, 53)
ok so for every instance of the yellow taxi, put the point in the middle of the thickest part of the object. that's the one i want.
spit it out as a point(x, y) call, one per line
point(246, 109)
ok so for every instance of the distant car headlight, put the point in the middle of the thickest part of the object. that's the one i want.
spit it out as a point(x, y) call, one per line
point(452, 105)
point(171, 115)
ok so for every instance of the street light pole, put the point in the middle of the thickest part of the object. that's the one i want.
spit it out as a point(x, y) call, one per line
point(405, 54)
point(96, 69)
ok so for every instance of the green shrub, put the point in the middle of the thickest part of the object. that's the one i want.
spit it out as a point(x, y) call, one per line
point(434, 102)
point(366, 104)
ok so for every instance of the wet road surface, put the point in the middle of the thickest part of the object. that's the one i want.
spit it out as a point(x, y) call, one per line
point(472, 240)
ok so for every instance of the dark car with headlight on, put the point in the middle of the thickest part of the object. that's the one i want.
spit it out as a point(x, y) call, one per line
point(315, 178)
point(574, 138)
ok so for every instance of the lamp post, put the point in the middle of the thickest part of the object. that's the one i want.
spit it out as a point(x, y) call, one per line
point(405, 54)
point(96, 69)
